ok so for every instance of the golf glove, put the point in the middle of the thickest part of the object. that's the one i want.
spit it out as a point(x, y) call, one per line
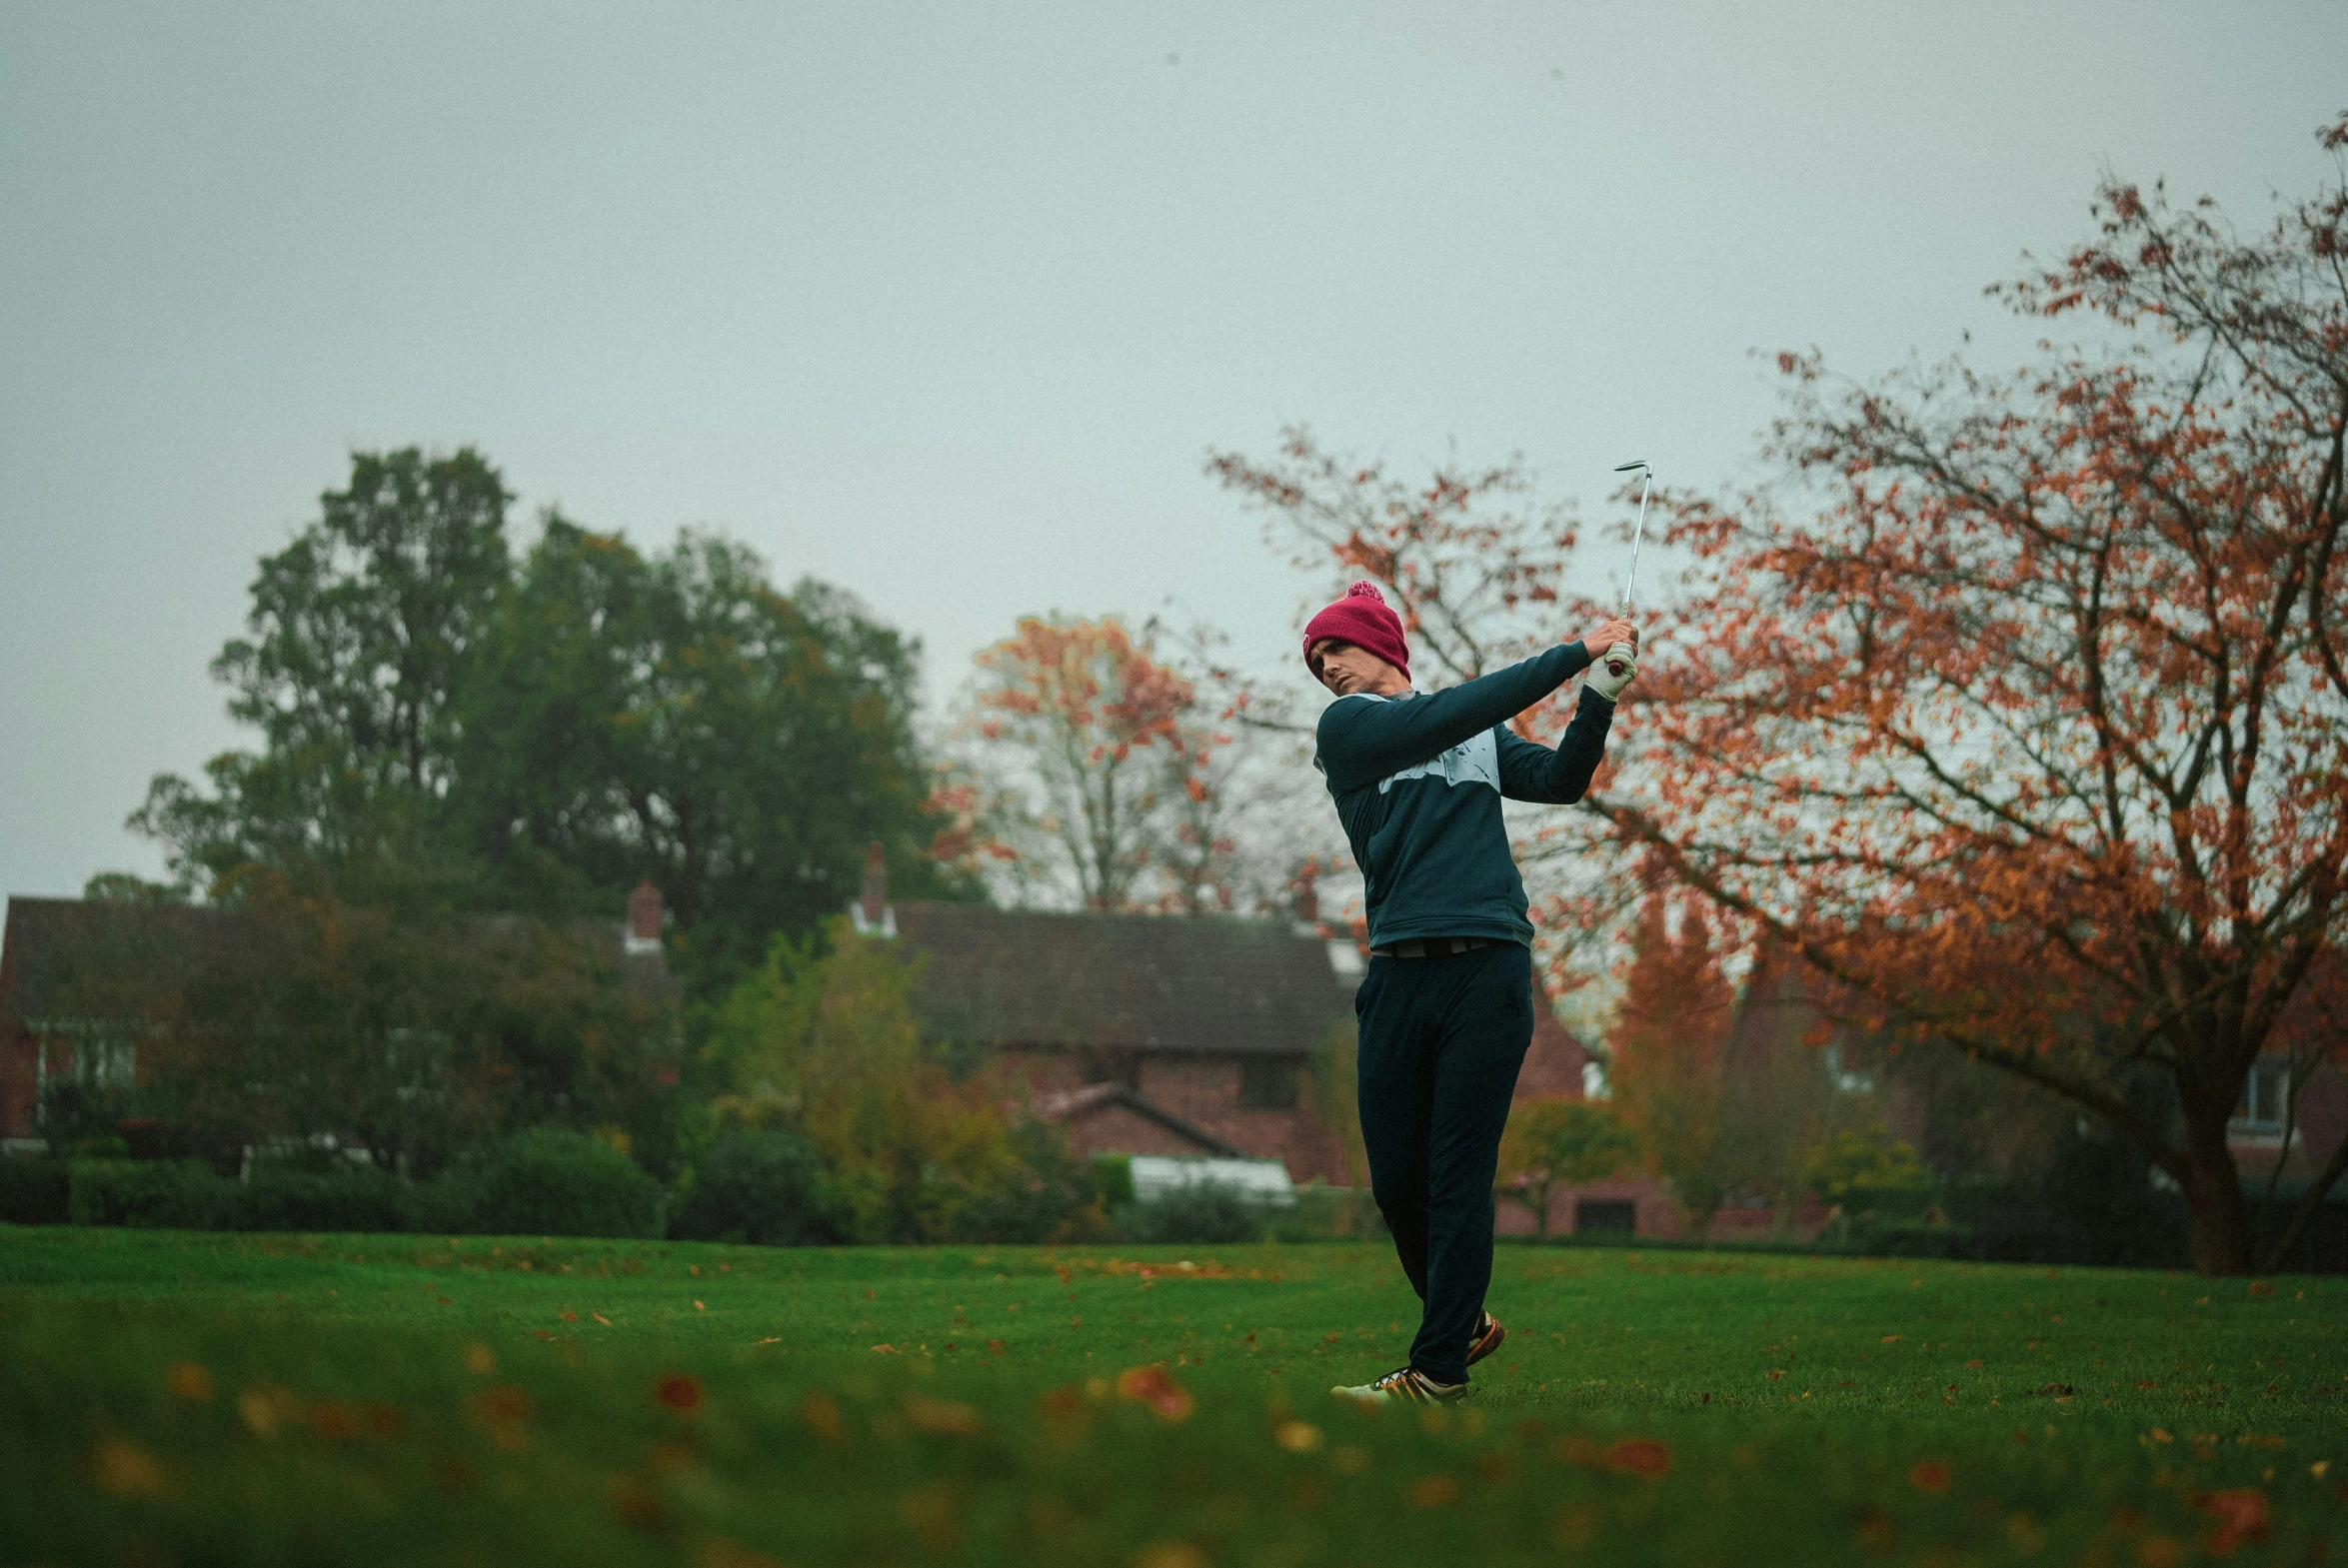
point(1614, 671)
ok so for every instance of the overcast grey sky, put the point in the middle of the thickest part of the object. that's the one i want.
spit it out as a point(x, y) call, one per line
point(943, 303)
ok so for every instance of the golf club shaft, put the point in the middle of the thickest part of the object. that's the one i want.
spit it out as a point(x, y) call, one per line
point(1630, 592)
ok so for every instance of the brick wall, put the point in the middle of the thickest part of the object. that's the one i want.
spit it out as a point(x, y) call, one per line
point(19, 1074)
point(1654, 1211)
point(1205, 1090)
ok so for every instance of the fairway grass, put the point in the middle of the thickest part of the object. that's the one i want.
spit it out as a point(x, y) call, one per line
point(195, 1398)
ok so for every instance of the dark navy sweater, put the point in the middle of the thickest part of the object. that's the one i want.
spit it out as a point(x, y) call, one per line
point(1419, 781)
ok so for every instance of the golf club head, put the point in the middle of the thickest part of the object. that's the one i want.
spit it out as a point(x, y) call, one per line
point(1625, 467)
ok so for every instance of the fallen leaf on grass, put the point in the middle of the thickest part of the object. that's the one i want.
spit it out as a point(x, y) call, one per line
point(265, 1408)
point(1877, 1533)
point(1171, 1554)
point(636, 1504)
point(822, 1413)
point(1433, 1491)
point(887, 1350)
point(1930, 1476)
point(1150, 1386)
point(942, 1417)
point(599, 1317)
point(936, 1514)
point(123, 1469)
point(2241, 1516)
point(1066, 1416)
point(1298, 1437)
point(1574, 1527)
point(189, 1380)
point(680, 1391)
point(1638, 1456)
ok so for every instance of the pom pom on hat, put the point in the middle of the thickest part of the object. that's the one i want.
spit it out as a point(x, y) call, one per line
point(1364, 619)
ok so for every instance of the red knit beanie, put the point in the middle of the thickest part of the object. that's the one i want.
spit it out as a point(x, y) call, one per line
point(1362, 619)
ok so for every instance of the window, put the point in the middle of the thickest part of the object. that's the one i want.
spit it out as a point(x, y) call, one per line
point(1605, 1217)
point(1267, 1084)
point(105, 1063)
point(2265, 1096)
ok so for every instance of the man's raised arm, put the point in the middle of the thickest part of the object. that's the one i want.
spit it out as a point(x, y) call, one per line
point(1531, 771)
point(1361, 739)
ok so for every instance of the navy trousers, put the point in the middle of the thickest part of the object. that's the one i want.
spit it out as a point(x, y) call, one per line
point(1439, 1043)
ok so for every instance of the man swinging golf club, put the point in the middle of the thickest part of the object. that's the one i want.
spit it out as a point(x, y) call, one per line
point(1445, 1013)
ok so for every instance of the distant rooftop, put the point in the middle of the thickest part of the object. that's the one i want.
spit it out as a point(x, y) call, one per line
point(1122, 981)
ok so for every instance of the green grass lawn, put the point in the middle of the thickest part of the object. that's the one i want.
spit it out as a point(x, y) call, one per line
point(198, 1398)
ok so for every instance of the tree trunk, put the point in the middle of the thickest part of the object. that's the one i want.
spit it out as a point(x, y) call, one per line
point(2213, 1197)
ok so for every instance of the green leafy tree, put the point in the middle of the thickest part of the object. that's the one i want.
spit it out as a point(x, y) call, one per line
point(679, 717)
point(363, 633)
point(823, 1043)
point(1863, 1172)
point(538, 734)
point(1554, 1142)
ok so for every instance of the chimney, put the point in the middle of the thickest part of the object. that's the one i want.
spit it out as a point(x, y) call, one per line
point(644, 919)
point(870, 913)
point(1307, 901)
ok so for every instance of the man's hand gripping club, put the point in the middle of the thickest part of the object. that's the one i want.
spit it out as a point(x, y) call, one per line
point(1614, 649)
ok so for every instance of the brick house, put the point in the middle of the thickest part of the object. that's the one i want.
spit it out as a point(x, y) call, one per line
point(72, 970)
point(1151, 1035)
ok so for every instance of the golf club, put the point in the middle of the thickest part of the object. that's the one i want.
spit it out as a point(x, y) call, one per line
point(1637, 534)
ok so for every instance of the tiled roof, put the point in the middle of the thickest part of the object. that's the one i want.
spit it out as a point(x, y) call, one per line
point(68, 956)
point(72, 957)
point(1119, 982)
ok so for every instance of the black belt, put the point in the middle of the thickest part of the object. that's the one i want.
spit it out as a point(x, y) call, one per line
point(1432, 947)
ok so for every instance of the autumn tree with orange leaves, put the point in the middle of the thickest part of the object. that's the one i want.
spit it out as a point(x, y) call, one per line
point(1668, 1054)
point(1094, 778)
point(2019, 706)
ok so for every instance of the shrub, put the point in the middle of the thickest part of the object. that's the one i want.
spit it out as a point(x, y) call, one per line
point(164, 1194)
point(1048, 1194)
point(553, 1182)
point(1202, 1212)
point(1326, 1214)
point(282, 1196)
point(74, 1112)
point(33, 1191)
point(1112, 1176)
point(1871, 1176)
point(764, 1187)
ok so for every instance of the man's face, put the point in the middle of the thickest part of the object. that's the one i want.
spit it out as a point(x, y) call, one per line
point(1345, 669)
